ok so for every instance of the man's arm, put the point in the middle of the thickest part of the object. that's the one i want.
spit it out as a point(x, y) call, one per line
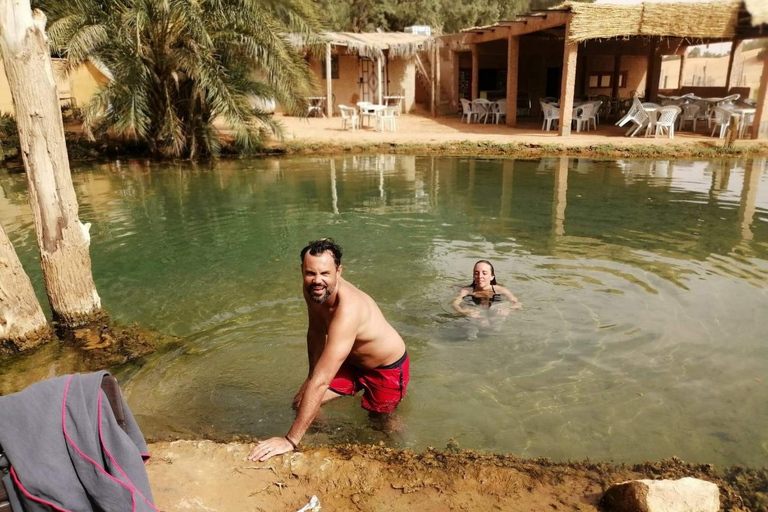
point(341, 338)
point(315, 339)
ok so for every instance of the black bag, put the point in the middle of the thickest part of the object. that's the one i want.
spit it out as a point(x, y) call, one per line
point(8, 500)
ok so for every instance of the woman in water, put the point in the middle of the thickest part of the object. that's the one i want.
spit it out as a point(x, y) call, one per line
point(485, 292)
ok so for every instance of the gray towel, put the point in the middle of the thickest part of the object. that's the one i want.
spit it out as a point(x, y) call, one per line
point(68, 451)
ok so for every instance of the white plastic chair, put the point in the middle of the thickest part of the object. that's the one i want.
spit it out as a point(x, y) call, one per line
point(747, 121)
point(498, 110)
point(582, 115)
point(551, 115)
point(349, 117)
point(482, 108)
point(721, 118)
point(690, 112)
point(667, 117)
point(637, 115)
point(366, 112)
point(596, 112)
point(467, 109)
point(384, 117)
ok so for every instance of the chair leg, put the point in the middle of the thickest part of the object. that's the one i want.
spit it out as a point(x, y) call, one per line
point(672, 131)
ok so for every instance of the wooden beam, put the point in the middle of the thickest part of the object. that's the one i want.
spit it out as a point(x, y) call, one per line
point(568, 84)
point(380, 88)
point(681, 75)
point(475, 72)
point(328, 82)
point(731, 79)
point(513, 56)
point(554, 19)
point(616, 76)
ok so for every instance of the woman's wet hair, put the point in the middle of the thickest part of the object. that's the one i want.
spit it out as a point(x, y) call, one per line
point(493, 272)
point(318, 247)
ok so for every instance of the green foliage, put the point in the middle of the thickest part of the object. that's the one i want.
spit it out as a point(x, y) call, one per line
point(179, 65)
point(446, 16)
point(9, 135)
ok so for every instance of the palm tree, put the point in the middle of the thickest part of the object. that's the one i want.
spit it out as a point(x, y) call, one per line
point(178, 65)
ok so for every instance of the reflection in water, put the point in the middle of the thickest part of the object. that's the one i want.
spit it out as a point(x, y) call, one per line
point(640, 335)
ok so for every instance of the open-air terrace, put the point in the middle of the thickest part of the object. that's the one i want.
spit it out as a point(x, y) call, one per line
point(421, 128)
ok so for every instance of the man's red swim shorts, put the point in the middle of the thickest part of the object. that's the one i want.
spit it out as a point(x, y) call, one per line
point(384, 387)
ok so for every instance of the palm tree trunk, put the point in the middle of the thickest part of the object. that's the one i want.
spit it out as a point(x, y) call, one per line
point(62, 238)
point(22, 322)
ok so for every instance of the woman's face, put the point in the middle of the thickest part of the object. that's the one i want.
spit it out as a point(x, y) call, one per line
point(483, 275)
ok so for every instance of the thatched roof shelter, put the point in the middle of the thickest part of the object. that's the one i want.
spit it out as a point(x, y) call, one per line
point(373, 44)
point(714, 19)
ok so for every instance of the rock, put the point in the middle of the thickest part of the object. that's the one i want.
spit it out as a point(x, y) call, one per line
point(684, 495)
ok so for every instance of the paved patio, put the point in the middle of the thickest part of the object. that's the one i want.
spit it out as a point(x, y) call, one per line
point(420, 128)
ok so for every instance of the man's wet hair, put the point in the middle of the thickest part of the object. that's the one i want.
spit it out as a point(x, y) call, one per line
point(318, 247)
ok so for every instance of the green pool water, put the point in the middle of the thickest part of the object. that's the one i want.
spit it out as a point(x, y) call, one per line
point(644, 287)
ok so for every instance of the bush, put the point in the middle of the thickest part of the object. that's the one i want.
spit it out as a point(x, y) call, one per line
point(9, 135)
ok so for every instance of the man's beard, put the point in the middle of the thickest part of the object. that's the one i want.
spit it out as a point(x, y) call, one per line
point(320, 299)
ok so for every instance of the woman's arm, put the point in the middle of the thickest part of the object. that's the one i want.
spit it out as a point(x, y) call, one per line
point(457, 302)
point(512, 300)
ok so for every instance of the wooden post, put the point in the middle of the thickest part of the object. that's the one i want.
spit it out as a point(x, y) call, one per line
point(456, 88)
point(513, 54)
point(731, 77)
point(475, 72)
point(432, 84)
point(380, 86)
point(616, 76)
point(568, 83)
point(328, 82)
point(438, 89)
point(63, 240)
point(654, 73)
point(682, 72)
point(760, 126)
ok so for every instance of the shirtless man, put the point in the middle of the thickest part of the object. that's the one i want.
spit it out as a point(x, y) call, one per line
point(351, 347)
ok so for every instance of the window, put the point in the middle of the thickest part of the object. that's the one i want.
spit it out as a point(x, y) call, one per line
point(605, 80)
point(334, 67)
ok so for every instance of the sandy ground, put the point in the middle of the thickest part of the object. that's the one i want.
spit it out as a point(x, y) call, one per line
point(208, 476)
point(420, 128)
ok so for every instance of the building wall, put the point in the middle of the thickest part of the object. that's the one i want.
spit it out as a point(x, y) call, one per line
point(402, 81)
point(636, 67)
point(80, 85)
point(400, 73)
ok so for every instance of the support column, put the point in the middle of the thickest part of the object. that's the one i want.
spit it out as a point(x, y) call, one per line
point(616, 76)
point(456, 71)
point(760, 126)
point(654, 73)
point(432, 82)
point(475, 72)
point(513, 54)
point(732, 77)
point(682, 71)
point(438, 89)
point(328, 81)
point(568, 83)
point(380, 86)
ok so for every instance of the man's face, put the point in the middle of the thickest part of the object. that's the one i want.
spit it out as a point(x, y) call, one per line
point(320, 276)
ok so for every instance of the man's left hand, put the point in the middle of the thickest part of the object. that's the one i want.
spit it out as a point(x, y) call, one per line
point(269, 448)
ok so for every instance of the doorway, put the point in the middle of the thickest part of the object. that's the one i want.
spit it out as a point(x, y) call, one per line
point(554, 79)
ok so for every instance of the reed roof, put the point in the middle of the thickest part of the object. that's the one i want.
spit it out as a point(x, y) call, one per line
point(373, 44)
point(713, 19)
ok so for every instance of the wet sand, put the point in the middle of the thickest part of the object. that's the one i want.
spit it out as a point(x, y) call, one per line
point(209, 476)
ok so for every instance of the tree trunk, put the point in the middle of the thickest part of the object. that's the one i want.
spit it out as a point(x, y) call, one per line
point(22, 322)
point(62, 238)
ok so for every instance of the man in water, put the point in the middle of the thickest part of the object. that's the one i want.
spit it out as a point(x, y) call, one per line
point(351, 347)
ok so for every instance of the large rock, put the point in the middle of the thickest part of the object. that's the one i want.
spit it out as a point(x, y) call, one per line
point(684, 495)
